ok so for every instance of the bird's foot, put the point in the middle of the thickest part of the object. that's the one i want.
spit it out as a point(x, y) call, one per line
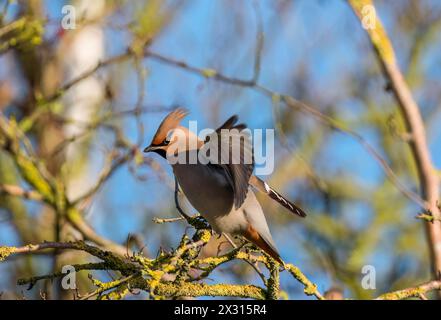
point(198, 222)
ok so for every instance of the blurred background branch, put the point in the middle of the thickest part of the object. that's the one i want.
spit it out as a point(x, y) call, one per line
point(429, 180)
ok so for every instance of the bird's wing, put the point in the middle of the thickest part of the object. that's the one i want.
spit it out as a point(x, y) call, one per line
point(230, 147)
point(273, 194)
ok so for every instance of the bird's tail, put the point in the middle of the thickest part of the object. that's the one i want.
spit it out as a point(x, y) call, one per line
point(273, 194)
point(253, 236)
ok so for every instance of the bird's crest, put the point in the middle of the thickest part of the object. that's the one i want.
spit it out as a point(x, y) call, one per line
point(170, 122)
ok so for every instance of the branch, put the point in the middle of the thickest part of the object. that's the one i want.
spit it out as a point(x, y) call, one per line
point(14, 25)
point(112, 60)
point(106, 256)
point(417, 291)
point(429, 181)
point(75, 217)
point(17, 191)
point(167, 220)
point(213, 290)
point(78, 267)
point(170, 274)
point(310, 288)
point(103, 287)
point(45, 102)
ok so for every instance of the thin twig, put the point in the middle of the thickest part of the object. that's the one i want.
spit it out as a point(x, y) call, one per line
point(167, 220)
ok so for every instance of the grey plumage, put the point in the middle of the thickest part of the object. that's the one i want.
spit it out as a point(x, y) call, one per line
point(219, 185)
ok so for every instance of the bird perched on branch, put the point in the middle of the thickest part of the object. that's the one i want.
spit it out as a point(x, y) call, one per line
point(216, 176)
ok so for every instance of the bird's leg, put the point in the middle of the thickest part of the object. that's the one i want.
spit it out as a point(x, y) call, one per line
point(228, 239)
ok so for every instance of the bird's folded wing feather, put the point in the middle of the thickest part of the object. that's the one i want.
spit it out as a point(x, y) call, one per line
point(234, 153)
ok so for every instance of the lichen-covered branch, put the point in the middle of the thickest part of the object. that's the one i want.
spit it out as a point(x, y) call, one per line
point(310, 288)
point(78, 267)
point(107, 256)
point(172, 274)
point(213, 290)
point(418, 291)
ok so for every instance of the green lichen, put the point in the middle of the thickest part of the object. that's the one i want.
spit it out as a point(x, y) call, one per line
point(309, 287)
point(117, 294)
point(273, 281)
point(32, 175)
point(149, 20)
point(275, 98)
point(6, 252)
point(215, 290)
point(103, 285)
point(23, 34)
point(214, 261)
point(205, 236)
point(402, 294)
point(60, 196)
point(209, 73)
point(378, 35)
point(146, 263)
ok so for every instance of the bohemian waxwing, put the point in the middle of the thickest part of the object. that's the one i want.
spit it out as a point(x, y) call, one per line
point(218, 181)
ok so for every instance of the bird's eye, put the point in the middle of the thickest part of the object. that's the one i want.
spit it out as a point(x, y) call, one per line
point(168, 138)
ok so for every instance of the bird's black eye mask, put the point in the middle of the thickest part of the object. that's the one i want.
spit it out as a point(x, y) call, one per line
point(161, 152)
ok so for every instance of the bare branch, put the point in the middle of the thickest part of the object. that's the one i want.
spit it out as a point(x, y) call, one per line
point(20, 192)
point(429, 181)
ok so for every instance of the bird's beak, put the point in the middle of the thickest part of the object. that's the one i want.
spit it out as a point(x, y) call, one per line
point(151, 148)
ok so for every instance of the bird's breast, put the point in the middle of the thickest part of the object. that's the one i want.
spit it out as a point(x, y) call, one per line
point(206, 187)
